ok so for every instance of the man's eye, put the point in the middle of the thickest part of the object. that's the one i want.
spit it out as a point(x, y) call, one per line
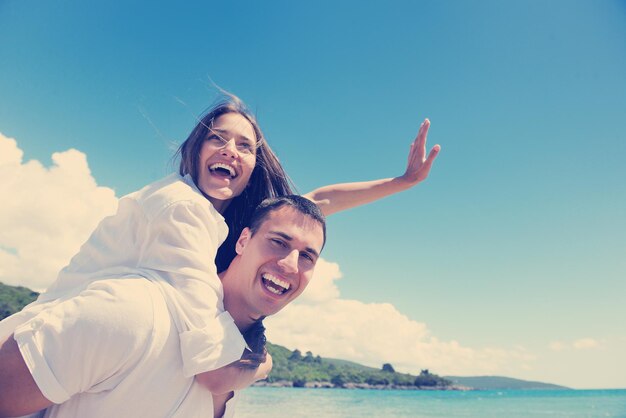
point(307, 257)
point(278, 242)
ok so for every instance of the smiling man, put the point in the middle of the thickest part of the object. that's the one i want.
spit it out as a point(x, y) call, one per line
point(276, 258)
point(113, 350)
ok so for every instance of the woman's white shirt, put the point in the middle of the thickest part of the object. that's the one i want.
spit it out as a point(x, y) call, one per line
point(169, 233)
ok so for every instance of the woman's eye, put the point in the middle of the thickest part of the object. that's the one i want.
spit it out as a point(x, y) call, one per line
point(216, 139)
point(245, 147)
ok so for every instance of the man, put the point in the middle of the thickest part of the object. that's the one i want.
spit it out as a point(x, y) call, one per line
point(113, 350)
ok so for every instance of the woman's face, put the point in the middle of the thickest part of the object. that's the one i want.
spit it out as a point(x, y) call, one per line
point(227, 159)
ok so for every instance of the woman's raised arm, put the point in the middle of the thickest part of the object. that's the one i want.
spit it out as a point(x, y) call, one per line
point(338, 197)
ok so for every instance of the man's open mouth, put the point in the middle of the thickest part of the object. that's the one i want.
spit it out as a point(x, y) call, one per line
point(223, 170)
point(274, 284)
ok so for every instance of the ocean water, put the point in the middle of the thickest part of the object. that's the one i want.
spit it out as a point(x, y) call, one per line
point(335, 403)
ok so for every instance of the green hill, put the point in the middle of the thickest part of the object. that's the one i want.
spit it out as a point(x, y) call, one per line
point(499, 382)
point(12, 299)
point(297, 369)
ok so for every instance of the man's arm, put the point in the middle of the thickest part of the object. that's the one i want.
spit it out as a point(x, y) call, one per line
point(19, 394)
point(233, 377)
point(338, 197)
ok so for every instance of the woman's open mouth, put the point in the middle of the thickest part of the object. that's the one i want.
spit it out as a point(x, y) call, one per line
point(223, 170)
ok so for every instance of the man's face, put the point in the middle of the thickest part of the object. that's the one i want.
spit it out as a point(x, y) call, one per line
point(277, 262)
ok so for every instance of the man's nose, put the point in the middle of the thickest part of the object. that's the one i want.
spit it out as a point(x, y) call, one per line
point(289, 263)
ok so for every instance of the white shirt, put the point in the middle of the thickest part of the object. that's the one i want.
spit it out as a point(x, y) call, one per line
point(112, 351)
point(169, 233)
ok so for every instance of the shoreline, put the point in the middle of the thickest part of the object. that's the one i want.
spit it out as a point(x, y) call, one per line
point(361, 386)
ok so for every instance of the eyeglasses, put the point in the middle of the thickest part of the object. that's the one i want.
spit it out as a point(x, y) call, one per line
point(244, 146)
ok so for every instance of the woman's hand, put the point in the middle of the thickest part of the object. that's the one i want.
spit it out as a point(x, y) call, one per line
point(234, 376)
point(264, 368)
point(418, 166)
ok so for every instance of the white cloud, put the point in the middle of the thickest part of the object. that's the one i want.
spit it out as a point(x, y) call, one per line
point(377, 333)
point(580, 344)
point(557, 346)
point(46, 213)
point(322, 288)
point(586, 343)
point(10, 154)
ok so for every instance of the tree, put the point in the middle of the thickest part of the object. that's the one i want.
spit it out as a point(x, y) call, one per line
point(428, 379)
point(296, 355)
point(388, 368)
point(299, 383)
point(377, 380)
point(338, 381)
point(309, 357)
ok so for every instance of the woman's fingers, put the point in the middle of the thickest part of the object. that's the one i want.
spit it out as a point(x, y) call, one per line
point(421, 139)
point(418, 165)
point(429, 161)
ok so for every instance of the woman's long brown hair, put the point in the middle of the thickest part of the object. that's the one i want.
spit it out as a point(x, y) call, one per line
point(268, 178)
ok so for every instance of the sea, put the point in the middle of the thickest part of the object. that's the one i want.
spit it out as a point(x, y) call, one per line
point(263, 402)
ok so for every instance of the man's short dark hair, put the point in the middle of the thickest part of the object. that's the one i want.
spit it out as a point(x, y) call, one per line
point(299, 203)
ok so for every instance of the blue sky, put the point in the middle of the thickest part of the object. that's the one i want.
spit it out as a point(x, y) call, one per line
point(516, 239)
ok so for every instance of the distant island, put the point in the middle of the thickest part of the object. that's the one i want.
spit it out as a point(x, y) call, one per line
point(501, 383)
point(295, 369)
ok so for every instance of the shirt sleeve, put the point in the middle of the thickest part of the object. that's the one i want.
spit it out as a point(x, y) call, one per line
point(180, 247)
point(87, 342)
